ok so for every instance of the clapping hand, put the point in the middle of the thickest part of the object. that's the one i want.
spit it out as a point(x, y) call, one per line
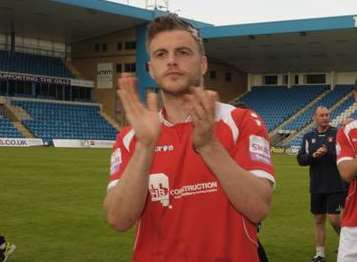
point(202, 107)
point(143, 119)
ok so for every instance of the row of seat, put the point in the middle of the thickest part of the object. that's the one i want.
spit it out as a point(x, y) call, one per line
point(65, 120)
point(33, 64)
point(331, 98)
point(278, 103)
point(7, 129)
point(334, 115)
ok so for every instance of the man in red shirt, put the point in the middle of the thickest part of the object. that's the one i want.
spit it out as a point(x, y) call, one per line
point(346, 149)
point(197, 176)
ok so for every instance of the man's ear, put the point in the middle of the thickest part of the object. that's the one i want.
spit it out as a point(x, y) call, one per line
point(149, 69)
point(204, 64)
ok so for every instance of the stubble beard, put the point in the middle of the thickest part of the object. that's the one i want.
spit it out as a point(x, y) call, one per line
point(181, 90)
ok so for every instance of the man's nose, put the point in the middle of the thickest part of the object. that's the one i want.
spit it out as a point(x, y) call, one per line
point(171, 59)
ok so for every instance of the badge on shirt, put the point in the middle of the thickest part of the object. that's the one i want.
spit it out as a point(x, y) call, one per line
point(115, 161)
point(330, 139)
point(159, 188)
point(259, 149)
point(313, 141)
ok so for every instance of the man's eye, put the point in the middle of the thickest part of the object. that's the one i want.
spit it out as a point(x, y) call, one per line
point(160, 54)
point(183, 52)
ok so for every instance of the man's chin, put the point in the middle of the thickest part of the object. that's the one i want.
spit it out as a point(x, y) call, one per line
point(175, 89)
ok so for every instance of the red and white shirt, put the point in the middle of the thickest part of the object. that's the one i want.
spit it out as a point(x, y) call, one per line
point(188, 217)
point(346, 149)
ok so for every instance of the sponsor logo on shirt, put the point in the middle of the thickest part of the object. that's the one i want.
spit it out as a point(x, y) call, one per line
point(160, 190)
point(259, 149)
point(115, 161)
point(164, 148)
point(194, 189)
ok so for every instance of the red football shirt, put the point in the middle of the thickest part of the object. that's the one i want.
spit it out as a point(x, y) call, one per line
point(346, 149)
point(187, 216)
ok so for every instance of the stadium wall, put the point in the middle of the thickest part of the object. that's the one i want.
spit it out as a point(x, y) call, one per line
point(34, 46)
point(346, 78)
point(87, 54)
point(85, 58)
point(331, 78)
point(228, 89)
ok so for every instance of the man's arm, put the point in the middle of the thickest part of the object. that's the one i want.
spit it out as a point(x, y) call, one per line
point(125, 202)
point(346, 162)
point(348, 169)
point(250, 195)
point(304, 157)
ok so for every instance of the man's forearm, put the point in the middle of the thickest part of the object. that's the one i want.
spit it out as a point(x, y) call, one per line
point(348, 169)
point(304, 159)
point(125, 202)
point(250, 195)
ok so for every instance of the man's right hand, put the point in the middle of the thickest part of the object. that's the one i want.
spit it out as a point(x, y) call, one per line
point(320, 152)
point(144, 120)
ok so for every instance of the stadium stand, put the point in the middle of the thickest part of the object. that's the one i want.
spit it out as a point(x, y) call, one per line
point(278, 103)
point(33, 64)
point(7, 129)
point(331, 97)
point(58, 120)
point(341, 105)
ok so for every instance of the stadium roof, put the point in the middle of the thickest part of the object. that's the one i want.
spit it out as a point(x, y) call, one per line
point(307, 45)
point(70, 20)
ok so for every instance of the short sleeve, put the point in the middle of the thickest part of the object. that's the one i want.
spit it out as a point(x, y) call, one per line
point(120, 155)
point(344, 147)
point(252, 149)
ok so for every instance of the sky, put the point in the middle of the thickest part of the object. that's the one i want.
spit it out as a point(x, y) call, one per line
point(228, 12)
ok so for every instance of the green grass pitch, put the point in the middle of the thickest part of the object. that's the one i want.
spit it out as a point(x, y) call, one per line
point(51, 208)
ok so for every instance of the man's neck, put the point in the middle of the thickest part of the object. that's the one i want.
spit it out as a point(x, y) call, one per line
point(175, 109)
point(321, 129)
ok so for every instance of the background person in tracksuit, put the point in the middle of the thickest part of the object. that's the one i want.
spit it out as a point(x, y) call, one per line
point(327, 190)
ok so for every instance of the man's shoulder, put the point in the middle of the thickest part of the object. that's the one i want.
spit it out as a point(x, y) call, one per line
point(311, 133)
point(333, 129)
point(125, 137)
point(350, 126)
point(123, 132)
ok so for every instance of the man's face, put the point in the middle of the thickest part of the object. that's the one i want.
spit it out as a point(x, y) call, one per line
point(175, 61)
point(322, 117)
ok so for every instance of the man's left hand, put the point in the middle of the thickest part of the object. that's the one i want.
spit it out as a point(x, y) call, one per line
point(202, 107)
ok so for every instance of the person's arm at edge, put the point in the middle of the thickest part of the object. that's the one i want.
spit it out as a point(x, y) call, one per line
point(346, 163)
point(348, 169)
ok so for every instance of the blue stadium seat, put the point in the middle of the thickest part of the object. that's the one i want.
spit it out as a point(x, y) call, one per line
point(33, 64)
point(278, 103)
point(7, 129)
point(52, 120)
